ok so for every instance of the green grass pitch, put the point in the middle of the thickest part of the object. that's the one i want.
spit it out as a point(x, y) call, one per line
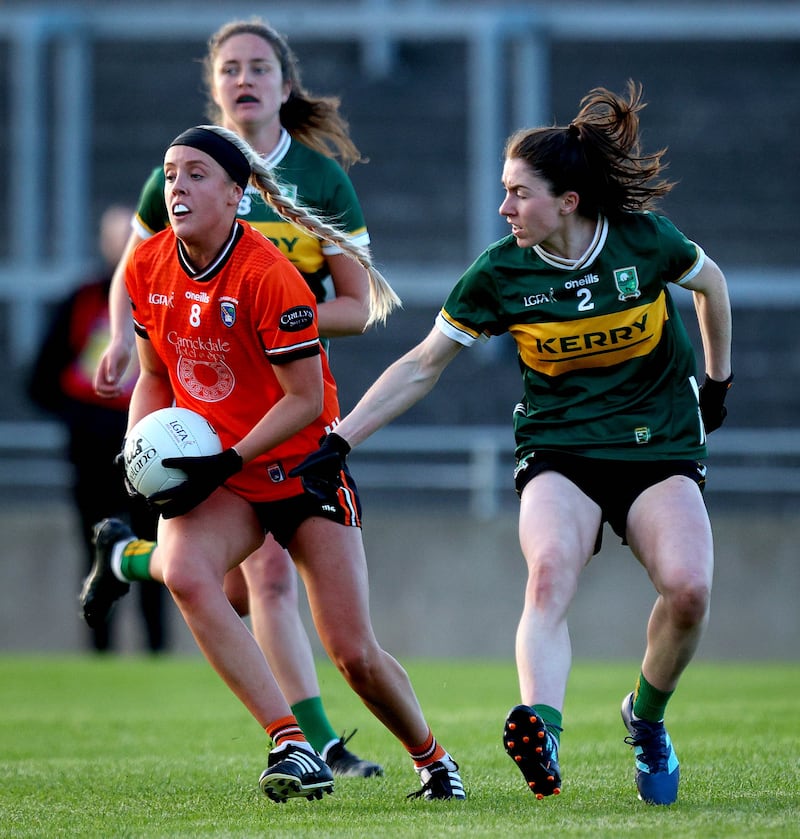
point(158, 747)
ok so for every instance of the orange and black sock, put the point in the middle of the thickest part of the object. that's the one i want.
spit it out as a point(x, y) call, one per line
point(427, 752)
point(285, 730)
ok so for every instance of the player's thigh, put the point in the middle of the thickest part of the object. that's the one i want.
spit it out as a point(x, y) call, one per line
point(669, 532)
point(558, 523)
point(216, 535)
point(331, 561)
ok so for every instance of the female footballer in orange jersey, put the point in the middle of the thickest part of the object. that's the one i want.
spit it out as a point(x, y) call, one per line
point(226, 326)
point(254, 88)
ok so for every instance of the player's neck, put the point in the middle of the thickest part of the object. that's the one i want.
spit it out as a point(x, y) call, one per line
point(263, 138)
point(573, 240)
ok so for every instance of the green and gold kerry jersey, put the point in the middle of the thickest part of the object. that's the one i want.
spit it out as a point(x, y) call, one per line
point(608, 369)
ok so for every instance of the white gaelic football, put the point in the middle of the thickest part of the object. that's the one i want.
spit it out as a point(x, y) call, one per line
point(168, 432)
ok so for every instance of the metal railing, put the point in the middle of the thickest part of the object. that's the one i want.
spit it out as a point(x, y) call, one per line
point(509, 50)
point(473, 460)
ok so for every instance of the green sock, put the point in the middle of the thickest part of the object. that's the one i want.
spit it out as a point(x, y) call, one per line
point(649, 703)
point(552, 719)
point(313, 720)
point(135, 560)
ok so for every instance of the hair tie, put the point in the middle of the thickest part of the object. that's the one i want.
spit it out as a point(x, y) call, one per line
point(573, 131)
point(229, 157)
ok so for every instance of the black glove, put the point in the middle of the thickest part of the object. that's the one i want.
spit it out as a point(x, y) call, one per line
point(204, 475)
point(321, 471)
point(119, 462)
point(712, 402)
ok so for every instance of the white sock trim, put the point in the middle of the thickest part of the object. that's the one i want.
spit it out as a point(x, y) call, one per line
point(300, 744)
point(116, 560)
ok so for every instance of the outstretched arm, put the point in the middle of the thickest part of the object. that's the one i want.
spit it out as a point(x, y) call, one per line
point(399, 387)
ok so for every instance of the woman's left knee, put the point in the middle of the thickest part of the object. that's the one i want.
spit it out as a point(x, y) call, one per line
point(271, 572)
point(690, 602)
point(355, 663)
point(185, 584)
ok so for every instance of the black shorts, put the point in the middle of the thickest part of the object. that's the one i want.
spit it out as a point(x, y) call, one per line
point(612, 484)
point(282, 518)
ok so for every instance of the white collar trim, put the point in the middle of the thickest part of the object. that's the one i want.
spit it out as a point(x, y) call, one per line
point(588, 256)
point(279, 152)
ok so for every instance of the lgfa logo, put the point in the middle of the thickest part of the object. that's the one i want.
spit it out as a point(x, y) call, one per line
point(156, 299)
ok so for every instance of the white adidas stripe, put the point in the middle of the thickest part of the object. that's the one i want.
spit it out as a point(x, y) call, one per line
point(304, 760)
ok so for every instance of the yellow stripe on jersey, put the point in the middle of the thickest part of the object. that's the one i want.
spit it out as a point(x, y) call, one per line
point(562, 347)
point(304, 251)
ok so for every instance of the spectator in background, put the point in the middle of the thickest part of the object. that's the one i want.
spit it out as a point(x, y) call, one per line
point(61, 384)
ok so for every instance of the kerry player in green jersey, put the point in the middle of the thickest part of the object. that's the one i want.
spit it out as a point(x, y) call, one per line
point(612, 423)
point(255, 89)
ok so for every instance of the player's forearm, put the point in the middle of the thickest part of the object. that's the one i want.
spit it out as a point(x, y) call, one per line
point(119, 311)
point(119, 304)
point(713, 309)
point(342, 316)
point(397, 389)
point(287, 417)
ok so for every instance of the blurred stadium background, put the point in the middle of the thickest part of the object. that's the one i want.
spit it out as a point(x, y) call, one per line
point(91, 92)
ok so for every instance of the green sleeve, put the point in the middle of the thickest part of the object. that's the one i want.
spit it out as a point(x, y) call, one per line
point(151, 211)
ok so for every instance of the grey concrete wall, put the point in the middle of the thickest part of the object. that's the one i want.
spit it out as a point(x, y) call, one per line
point(443, 585)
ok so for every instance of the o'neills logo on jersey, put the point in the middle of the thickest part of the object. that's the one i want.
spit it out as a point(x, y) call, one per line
point(199, 296)
point(296, 319)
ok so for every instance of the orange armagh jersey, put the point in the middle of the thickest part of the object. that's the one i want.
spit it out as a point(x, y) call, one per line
point(220, 331)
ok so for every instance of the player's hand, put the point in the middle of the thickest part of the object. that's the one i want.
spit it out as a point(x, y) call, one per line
point(321, 471)
point(712, 402)
point(204, 475)
point(110, 370)
point(119, 462)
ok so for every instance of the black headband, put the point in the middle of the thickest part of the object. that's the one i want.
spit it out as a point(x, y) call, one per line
point(229, 157)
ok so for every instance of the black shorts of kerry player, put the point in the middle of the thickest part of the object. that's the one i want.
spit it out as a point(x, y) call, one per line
point(612, 484)
point(282, 518)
